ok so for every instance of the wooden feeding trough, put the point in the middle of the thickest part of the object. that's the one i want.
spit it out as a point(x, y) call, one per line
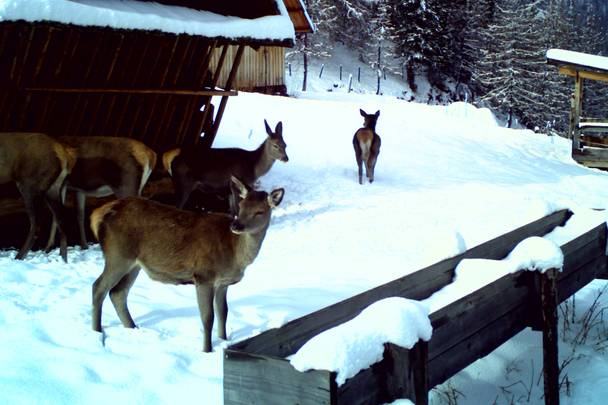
point(256, 370)
point(589, 142)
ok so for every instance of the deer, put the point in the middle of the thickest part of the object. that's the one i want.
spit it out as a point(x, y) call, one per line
point(38, 165)
point(209, 250)
point(210, 170)
point(105, 166)
point(367, 145)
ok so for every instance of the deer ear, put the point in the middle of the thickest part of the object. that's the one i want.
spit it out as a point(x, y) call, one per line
point(268, 130)
point(240, 187)
point(275, 197)
point(377, 113)
point(363, 114)
point(279, 128)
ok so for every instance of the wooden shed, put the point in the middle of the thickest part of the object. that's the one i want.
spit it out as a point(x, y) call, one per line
point(134, 68)
point(588, 134)
point(263, 69)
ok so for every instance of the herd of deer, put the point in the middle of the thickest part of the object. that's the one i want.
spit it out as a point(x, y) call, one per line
point(209, 250)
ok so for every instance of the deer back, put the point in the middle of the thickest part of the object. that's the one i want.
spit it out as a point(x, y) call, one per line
point(173, 245)
point(34, 158)
point(110, 161)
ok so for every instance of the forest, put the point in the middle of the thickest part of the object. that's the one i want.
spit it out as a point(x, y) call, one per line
point(491, 51)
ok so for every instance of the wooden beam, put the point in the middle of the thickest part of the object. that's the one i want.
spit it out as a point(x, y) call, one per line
point(585, 74)
point(171, 92)
point(548, 296)
point(208, 140)
point(575, 112)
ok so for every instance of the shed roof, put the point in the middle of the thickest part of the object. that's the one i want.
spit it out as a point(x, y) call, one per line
point(260, 22)
point(562, 57)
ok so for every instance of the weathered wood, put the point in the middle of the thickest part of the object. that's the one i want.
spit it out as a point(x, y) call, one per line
point(477, 346)
point(591, 157)
point(577, 102)
point(585, 74)
point(172, 92)
point(251, 379)
point(548, 298)
point(475, 312)
point(418, 285)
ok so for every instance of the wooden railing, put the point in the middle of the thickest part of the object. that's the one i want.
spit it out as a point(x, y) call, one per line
point(256, 370)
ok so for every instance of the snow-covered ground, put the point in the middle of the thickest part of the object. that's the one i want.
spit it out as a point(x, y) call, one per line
point(447, 179)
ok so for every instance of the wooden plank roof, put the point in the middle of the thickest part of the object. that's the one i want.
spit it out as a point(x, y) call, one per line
point(587, 66)
point(250, 22)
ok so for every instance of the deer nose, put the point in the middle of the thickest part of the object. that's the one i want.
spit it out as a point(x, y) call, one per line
point(236, 227)
point(285, 158)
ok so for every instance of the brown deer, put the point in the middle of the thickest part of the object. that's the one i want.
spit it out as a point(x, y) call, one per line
point(38, 165)
point(105, 166)
point(209, 170)
point(174, 246)
point(367, 145)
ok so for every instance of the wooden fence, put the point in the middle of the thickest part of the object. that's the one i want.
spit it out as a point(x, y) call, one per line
point(256, 370)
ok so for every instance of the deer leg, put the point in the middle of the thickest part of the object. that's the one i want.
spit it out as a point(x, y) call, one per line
point(221, 309)
point(183, 189)
point(29, 197)
point(57, 210)
point(118, 295)
point(358, 152)
point(81, 203)
point(52, 233)
point(115, 269)
point(204, 295)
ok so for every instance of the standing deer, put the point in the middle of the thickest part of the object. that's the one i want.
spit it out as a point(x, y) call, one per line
point(105, 166)
point(38, 165)
point(174, 246)
point(211, 169)
point(367, 145)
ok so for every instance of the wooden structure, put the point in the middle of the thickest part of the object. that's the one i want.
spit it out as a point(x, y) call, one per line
point(263, 69)
point(256, 370)
point(66, 79)
point(147, 83)
point(587, 134)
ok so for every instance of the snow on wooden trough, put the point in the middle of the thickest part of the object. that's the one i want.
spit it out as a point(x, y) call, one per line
point(464, 327)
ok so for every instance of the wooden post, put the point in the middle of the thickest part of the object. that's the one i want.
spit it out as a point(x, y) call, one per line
point(575, 112)
point(419, 376)
point(548, 296)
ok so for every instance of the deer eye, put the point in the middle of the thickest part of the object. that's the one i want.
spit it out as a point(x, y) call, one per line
point(259, 213)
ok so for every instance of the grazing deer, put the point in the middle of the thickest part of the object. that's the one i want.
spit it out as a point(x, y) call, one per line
point(105, 166)
point(38, 165)
point(210, 169)
point(174, 246)
point(367, 145)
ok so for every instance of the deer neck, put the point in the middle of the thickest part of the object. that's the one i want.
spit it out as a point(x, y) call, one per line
point(248, 246)
point(263, 161)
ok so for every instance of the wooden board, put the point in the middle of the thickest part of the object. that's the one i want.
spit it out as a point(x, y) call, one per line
point(421, 284)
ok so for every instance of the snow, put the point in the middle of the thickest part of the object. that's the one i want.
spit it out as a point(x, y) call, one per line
point(131, 14)
point(359, 343)
point(578, 58)
point(447, 179)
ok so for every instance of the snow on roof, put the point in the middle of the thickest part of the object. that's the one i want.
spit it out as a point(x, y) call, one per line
point(578, 58)
point(139, 15)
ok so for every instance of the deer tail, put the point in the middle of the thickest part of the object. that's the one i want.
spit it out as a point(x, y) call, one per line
point(168, 158)
point(98, 215)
